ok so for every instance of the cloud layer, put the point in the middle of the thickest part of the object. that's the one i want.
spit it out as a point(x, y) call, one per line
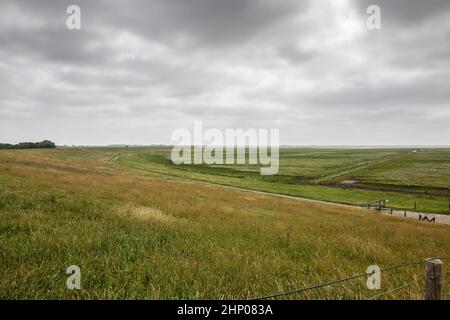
point(137, 70)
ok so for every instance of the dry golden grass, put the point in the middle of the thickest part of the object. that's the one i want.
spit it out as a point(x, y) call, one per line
point(146, 214)
point(140, 236)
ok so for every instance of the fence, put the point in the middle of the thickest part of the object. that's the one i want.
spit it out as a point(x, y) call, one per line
point(381, 206)
point(433, 281)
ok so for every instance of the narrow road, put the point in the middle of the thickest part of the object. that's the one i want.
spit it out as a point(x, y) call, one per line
point(439, 218)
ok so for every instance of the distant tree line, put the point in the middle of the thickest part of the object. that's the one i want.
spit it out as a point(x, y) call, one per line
point(28, 145)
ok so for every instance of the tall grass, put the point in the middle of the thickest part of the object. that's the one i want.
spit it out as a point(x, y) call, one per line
point(148, 237)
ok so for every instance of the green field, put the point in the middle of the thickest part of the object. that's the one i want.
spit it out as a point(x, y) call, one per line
point(403, 176)
point(426, 169)
point(139, 227)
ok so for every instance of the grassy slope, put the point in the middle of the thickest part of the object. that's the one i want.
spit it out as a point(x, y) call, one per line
point(140, 236)
point(156, 161)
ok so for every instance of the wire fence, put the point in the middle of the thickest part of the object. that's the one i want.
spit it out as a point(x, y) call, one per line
point(375, 297)
point(356, 276)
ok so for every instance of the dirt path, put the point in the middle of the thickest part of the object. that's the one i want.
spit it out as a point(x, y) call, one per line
point(439, 218)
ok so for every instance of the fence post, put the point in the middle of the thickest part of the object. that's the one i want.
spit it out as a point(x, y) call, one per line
point(434, 279)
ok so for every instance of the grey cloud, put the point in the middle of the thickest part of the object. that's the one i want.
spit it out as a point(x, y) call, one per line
point(405, 13)
point(422, 92)
point(213, 22)
point(139, 69)
point(296, 55)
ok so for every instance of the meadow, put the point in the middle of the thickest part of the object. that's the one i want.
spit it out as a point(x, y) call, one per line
point(411, 179)
point(140, 228)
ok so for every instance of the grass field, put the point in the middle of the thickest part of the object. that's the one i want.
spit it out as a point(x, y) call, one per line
point(139, 227)
point(403, 176)
point(428, 169)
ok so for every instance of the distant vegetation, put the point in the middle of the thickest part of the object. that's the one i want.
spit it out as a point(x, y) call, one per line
point(29, 145)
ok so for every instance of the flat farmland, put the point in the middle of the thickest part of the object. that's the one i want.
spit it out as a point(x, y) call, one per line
point(140, 228)
point(405, 177)
point(422, 168)
point(312, 164)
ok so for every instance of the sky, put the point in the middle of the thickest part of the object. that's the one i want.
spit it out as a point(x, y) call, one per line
point(137, 70)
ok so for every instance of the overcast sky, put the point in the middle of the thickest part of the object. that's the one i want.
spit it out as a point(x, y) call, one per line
point(137, 70)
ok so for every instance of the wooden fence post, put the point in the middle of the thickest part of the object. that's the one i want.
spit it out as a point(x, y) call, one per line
point(434, 279)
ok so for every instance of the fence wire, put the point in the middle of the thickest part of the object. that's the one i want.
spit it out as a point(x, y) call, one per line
point(365, 274)
point(393, 290)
